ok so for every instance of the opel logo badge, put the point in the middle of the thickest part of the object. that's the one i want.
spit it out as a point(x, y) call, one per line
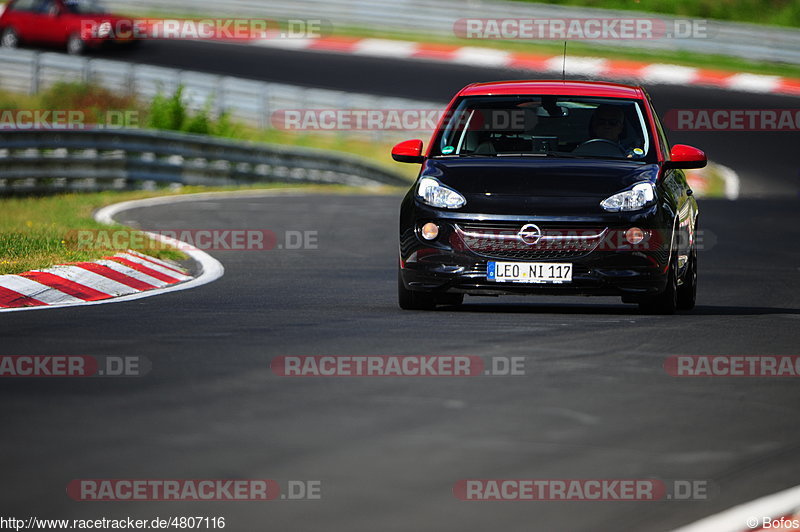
point(530, 234)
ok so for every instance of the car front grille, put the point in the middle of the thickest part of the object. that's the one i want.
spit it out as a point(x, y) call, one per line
point(502, 240)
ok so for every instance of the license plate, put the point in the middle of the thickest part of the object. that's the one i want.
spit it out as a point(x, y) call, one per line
point(529, 272)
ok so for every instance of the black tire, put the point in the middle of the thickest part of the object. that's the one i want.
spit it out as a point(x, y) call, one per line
point(687, 292)
point(411, 300)
point(667, 301)
point(9, 38)
point(75, 45)
point(450, 299)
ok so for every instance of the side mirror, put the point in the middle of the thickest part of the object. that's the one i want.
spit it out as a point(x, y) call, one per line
point(686, 157)
point(409, 151)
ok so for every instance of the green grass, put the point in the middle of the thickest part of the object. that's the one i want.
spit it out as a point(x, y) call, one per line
point(38, 232)
point(775, 12)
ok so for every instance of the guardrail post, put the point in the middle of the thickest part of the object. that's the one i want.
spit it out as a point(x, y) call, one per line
point(219, 97)
point(264, 106)
point(35, 73)
point(86, 70)
point(131, 79)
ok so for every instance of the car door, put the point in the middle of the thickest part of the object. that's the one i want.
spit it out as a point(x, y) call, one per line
point(51, 23)
point(686, 207)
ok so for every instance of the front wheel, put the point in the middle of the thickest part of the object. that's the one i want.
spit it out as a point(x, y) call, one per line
point(667, 301)
point(413, 300)
point(9, 38)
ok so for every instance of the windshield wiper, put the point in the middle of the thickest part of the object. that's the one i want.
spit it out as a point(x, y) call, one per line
point(465, 155)
point(540, 154)
point(562, 155)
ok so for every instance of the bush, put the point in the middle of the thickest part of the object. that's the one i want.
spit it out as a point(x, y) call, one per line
point(171, 113)
point(94, 100)
point(168, 112)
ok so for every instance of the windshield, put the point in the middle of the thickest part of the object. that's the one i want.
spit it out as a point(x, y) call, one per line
point(84, 7)
point(560, 126)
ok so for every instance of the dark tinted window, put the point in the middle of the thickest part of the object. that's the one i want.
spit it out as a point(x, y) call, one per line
point(47, 7)
point(24, 5)
point(84, 7)
point(570, 126)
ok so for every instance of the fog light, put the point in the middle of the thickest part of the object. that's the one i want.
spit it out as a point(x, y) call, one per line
point(430, 231)
point(634, 235)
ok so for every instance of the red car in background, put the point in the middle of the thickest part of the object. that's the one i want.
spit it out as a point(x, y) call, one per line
point(73, 24)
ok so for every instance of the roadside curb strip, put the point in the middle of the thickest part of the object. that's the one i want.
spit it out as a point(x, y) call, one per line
point(782, 504)
point(122, 274)
point(592, 67)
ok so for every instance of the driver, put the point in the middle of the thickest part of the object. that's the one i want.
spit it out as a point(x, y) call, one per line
point(607, 123)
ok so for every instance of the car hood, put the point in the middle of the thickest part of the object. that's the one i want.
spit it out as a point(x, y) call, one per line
point(519, 184)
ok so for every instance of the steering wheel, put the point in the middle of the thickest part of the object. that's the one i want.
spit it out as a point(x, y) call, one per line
point(600, 147)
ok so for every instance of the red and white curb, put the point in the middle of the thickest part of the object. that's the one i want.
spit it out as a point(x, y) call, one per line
point(69, 284)
point(752, 515)
point(650, 73)
point(122, 277)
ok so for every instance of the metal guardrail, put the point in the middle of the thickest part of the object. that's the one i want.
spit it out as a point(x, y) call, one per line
point(247, 101)
point(82, 160)
point(750, 41)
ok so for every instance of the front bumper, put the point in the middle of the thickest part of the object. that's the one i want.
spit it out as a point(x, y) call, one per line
point(604, 263)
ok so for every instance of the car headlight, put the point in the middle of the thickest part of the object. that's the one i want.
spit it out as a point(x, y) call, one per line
point(631, 200)
point(436, 194)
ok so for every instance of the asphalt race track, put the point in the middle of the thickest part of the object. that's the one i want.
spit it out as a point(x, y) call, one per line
point(596, 401)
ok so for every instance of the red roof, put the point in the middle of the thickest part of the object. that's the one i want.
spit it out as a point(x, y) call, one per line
point(554, 87)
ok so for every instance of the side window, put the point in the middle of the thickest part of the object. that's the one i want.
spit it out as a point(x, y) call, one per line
point(46, 7)
point(23, 5)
